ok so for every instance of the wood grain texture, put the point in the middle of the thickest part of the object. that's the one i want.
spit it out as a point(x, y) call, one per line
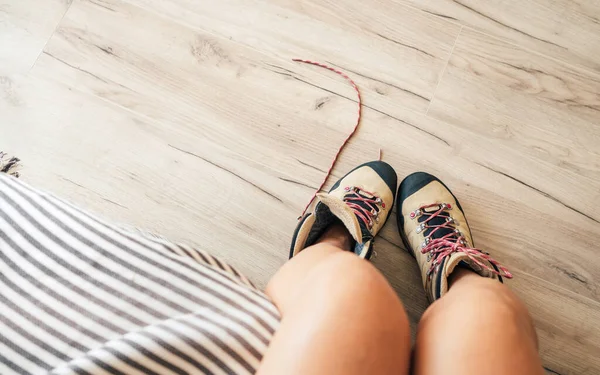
point(25, 27)
point(397, 59)
point(188, 119)
point(537, 117)
point(563, 29)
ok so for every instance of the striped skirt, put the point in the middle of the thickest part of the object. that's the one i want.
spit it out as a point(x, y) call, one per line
point(78, 295)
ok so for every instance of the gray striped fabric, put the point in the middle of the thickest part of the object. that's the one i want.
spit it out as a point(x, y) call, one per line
point(81, 296)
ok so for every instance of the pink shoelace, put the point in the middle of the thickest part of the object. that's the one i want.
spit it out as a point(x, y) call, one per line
point(453, 242)
point(354, 129)
point(368, 211)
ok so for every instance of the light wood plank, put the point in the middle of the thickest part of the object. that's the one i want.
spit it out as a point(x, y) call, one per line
point(563, 29)
point(535, 117)
point(566, 324)
point(397, 59)
point(25, 27)
point(545, 109)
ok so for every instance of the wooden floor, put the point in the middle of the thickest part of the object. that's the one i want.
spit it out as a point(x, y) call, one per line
point(188, 118)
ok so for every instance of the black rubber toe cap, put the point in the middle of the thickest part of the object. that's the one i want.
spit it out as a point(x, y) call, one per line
point(383, 169)
point(410, 185)
point(413, 183)
point(386, 172)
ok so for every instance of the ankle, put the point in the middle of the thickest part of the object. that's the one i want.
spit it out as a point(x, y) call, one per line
point(463, 275)
point(338, 236)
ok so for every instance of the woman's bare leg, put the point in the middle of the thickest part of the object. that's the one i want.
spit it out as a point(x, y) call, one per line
point(478, 327)
point(339, 315)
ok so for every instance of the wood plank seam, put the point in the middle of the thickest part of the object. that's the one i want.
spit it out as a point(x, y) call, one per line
point(52, 35)
point(582, 67)
point(444, 69)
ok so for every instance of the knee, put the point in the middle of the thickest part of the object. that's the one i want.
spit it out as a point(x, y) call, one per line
point(483, 296)
point(489, 296)
point(343, 265)
point(483, 302)
point(346, 273)
point(345, 278)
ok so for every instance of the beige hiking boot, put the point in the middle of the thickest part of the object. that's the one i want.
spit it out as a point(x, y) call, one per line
point(434, 229)
point(362, 200)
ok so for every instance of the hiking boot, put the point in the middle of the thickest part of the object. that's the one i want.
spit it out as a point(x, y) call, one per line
point(434, 229)
point(361, 200)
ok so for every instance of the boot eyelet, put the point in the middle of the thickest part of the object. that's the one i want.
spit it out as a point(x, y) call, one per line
point(420, 228)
